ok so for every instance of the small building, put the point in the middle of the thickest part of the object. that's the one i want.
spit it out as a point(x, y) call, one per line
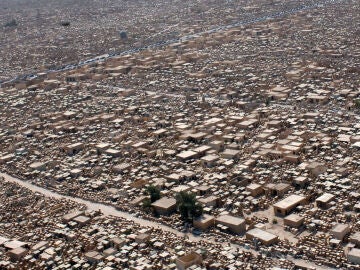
point(264, 237)
point(40, 245)
point(118, 242)
point(109, 251)
point(204, 222)
point(75, 173)
point(324, 200)
point(292, 158)
point(255, 189)
point(340, 230)
point(188, 260)
point(82, 220)
point(202, 190)
point(164, 206)
point(74, 148)
point(113, 152)
point(230, 154)
point(300, 181)
point(70, 216)
point(102, 147)
point(285, 206)
point(355, 239)
point(235, 224)
point(354, 256)
point(93, 256)
point(248, 124)
point(278, 189)
point(316, 168)
point(209, 201)
point(14, 244)
point(294, 220)
point(121, 168)
point(6, 158)
point(142, 238)
point(17, 253)
point(186, 155)
point(209, 160)
point(217, 145)
point(281, 188)
point(202, 149)
point(38, 166)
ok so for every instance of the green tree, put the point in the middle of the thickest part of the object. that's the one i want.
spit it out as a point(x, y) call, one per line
point(153, 192)
point(11, 23)
point(147, 205)
point(188, 206)
point(357, 103)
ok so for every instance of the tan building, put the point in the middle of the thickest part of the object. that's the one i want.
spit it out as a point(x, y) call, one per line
point(316, 168)
point(209, 160)
point(235, 224)
point(204, 222)
point(142, 238)
point(255, 189)
point(230, 154)
point(186, 155)
point(285, 206)
point(324, 200)
point(74, 148)
point(294, 220)
point(164, 206)
point(209, 201)
point(38, 166)
point(264, 237)
point(278, 189)
point(188, 260)
point(340, 230)
point(17, 253)
point(354, 256)
point(355, 239)
point(6, 158)
point(93, 256)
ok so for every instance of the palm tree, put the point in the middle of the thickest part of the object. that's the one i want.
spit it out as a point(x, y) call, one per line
point(154, 193)
point(188, 206)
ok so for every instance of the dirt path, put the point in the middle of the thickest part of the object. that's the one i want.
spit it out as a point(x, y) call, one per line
point(111, 211)
point(105, 209)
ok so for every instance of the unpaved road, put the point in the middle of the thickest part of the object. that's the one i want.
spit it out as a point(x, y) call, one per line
point(111, 211)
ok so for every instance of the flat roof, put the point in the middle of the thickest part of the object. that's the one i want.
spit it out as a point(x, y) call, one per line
point(253, 186)
point(211, 157)
point(164, 203)
point(231, 152)
point(14, 244)
point(355, 252)
point(289, 202)
point(262, 235)
point(230, 220)
point(339, 228)
point(202, 148)
point(326, 197)
point(355, 237)
point(186, 154)
point(294, 218)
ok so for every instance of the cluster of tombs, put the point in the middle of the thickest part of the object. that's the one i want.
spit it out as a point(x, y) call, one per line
point(268, 144)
